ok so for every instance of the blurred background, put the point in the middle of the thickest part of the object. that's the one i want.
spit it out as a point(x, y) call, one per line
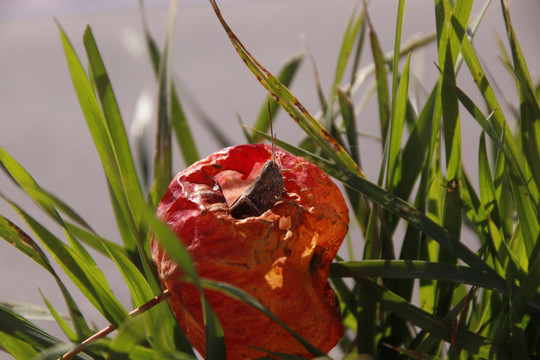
point(42, 127)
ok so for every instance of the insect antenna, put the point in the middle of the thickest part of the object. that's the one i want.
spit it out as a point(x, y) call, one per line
point(272, 134)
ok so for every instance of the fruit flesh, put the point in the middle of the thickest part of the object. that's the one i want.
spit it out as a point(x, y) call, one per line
point(281, 257)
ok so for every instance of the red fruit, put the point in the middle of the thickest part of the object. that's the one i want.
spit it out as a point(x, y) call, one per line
point(281, 257)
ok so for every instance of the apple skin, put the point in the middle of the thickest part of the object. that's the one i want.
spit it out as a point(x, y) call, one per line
point(281, 257)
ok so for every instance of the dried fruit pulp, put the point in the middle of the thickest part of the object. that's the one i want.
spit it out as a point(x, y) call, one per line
point(281, 257)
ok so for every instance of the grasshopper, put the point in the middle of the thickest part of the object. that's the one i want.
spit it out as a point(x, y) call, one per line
point(264, 191)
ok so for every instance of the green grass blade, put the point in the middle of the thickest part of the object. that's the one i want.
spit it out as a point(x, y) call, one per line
point(178, 253)
point(415, 151)
point(113, 118)
point(129, 334)
point(285, 76)
point(397, 123)
point(94, 240)
point(179, 120)
point(487, 187)
point(21, 177)
point(245, 297)
point(436, 326)
point(289, 103)
point(16, 347)
point(352, 32)
point(100, 133)
point(59, 320)
point(358, 203)
point(159, 317)
point(414, 269)
point(529, 104)
point(395, 205)
point(18, 238)
point(381, 77)
point(163, 154)
point(21, 336)
point(395, 61)
point(349, 119)
point(515, 158)
point(89, 279)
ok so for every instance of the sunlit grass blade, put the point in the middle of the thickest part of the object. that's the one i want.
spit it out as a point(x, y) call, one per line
point(129, 334)
point(518, 166)
point(17, 237)
point(414, 269)
point(415, 151)
point(395, 61)
point(381, 77)
point(358, 203)
point(159, 317)
point(89, 279)
point(290, 104)
point(179, 120)
point(21, 337)
point(102, 138)
point(22, 178)
point(42, 198)
point(451, 215)
point(285, 76)
point(243, 296)
point(529, 104)
point(24, 243)
point(59, 320)
point(94, 240)
point(113, 119)
point(397, 123)
point(179, 254)
point(436, 326)
point(395, 205)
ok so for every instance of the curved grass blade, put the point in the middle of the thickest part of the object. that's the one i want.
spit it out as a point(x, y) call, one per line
point(289, 103)
point(436, 326)
point(101, 135)
point(159, 321)
point(59, 319)
point(24, 243)
point(395, 205)
point(349, 119)
point(415, 269)
point(129, 334)
point(174, 248)
point(17, 237)
point(518, 166)
point(529, 104)
point(415, 151)
point(22, 338)
point(89, 279)
point(285, 76)
point(94, 240)
point(245, 297)
point(113, 119)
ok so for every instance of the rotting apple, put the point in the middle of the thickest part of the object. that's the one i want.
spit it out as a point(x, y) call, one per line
point(281, 257)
